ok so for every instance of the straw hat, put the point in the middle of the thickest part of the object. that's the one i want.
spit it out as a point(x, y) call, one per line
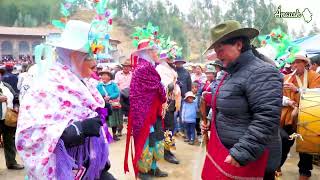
point(74, 36)
point(189, 94)
point(230, 29)
point(126, 63)
point(210, 69)
point(303, 58)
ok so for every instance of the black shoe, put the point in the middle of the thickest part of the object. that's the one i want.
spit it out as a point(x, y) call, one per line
point(115, 138)
point(191, 142)
point(144, 176)
point(119, 133)
point(171, 158)
point(16, 167)
point(186, 140)
point(157, 173)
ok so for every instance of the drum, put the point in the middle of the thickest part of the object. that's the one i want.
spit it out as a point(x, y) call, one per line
point(308, 125)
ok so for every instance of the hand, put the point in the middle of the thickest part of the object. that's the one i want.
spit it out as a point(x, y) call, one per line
point(16, 109)
point(290, 86)
point(164, 110)
point(3, 99)
point(106, 98)
point(91, 126)
point(229, 159)
point(292, 104)
point(205, 127)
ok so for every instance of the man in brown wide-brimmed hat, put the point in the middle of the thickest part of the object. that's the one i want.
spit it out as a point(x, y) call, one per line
point(123, 79)
point(293, 84)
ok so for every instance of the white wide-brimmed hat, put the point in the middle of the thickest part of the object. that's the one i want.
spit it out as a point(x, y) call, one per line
point(189, 94)
point(74, 36)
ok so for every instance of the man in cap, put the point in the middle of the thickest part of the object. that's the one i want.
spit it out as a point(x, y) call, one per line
point(184, 82)
point(8, 99)
point(11, 78)
point(218, 65)
point(293, 84)
point(211, 78)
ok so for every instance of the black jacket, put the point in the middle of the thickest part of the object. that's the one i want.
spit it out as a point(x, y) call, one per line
point(11, 79)
point(184, 80)
point(248, 110)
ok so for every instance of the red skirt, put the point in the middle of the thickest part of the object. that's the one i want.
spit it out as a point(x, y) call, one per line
point(216, 169)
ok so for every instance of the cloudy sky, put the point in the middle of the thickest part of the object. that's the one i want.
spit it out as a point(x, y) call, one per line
point(286, 5)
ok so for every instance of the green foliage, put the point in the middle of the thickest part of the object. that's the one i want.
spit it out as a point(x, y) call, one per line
point(28, 13)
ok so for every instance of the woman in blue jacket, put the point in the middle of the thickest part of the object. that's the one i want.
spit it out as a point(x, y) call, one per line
point(111, 94)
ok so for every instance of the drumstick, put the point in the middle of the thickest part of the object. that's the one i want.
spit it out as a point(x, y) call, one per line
point(291, 75)
point(204, 119)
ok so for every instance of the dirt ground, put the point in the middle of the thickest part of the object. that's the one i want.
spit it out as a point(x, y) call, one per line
point(189, 156)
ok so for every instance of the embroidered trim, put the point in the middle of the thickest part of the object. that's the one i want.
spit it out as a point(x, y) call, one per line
point(78, 132)
point(230, 175)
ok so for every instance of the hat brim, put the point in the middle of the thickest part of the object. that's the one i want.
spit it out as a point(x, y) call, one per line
point(303, 59)
point(190, 96)
point(247, 32)
point(176, 61)
point(142, 49)
point(103, 72)
point(70, 46)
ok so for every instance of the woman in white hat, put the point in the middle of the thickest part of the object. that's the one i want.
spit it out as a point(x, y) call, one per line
point(59, 133)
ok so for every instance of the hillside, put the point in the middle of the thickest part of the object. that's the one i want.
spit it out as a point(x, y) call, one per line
point(122, 30)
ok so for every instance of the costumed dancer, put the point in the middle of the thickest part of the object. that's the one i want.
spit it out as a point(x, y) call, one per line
point(169, 77)
point(244, 141)
point(59, 133)
point(147, 96)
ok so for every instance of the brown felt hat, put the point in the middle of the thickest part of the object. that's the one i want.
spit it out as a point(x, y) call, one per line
point(229, 29)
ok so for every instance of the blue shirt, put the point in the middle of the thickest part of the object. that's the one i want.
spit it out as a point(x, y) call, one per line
point(110, 89)
point(189, 112)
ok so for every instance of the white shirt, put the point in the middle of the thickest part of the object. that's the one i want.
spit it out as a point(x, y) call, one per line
point(9, 104)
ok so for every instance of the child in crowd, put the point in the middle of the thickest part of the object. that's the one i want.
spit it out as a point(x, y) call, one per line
point(189, 115)
point(195, 90)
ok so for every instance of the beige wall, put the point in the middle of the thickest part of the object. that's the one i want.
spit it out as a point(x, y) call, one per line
point(16, 40)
